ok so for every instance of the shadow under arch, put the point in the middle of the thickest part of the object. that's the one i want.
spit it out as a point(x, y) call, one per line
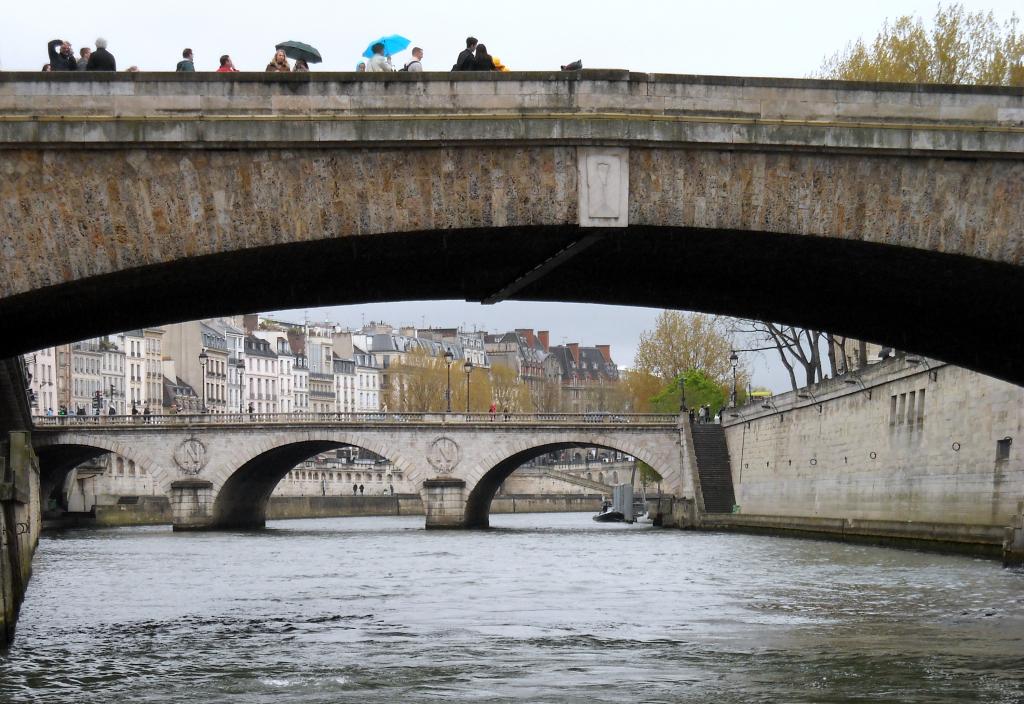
point(911, 299)
point(478, 504)
point(242, 500)
point(57, 461)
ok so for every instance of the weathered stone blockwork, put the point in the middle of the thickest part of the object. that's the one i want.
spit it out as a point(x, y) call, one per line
point(127, 186)
point(868, 451)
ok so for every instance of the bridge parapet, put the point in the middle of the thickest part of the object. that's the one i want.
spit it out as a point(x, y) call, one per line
point(362, 419)
point(423, 108)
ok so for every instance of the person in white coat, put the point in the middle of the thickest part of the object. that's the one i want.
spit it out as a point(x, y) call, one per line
point(378, 62)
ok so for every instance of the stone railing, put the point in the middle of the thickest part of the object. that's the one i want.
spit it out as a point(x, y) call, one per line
point(362, 418)
point(256, 107)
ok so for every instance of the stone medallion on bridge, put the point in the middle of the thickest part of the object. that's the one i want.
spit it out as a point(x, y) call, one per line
point(190, 456)
point(444, 455)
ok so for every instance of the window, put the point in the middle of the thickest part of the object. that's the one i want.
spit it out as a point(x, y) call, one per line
point(902, 410)
point(910, 407)
point(920, 407)
point(1003, 449)
point(892, 410)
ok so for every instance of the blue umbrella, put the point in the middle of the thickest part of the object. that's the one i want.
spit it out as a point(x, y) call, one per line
point(392, 45)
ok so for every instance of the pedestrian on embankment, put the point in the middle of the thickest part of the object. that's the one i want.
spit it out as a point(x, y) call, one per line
point(467, 57)
point(101, 59)
point(62, 57)
point(227, 65)
point(187, 64)
point(279, 64)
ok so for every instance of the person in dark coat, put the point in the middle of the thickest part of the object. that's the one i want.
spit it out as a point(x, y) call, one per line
point(101, 59)
point(467, 59)
point(186, 64)
point(62, 56)
point(483, 60)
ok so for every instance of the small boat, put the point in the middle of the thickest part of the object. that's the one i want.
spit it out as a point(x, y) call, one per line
point(608, 514)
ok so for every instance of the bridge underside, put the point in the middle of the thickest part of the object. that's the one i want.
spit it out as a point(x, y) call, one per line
point(946, 306)
point(478, 500)
point(56, 461)
point(242, 502)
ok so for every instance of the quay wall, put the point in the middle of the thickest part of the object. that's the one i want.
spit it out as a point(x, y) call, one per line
point(156, 510)
point(281, 507)
point(909, 449)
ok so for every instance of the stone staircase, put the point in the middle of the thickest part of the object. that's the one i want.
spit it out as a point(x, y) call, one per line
point(578, 481)
point(712, 455)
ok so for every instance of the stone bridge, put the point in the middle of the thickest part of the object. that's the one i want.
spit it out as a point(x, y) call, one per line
point(219, 470)
point(887, 212)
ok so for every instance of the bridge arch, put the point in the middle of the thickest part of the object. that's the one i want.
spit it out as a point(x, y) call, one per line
point(470, 187)
point(482, 482)
point(245, 487)
point(57, 459)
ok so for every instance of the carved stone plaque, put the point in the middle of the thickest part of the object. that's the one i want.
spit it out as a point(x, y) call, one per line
point(603, 186)
point(444, 455)
point(190, 456)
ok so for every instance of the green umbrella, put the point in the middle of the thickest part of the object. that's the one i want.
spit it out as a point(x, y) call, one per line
point(298, 50)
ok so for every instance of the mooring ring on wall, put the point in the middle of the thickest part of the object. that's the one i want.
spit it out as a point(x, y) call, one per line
point(814, 461)
point(873, 455)
point(956, 447)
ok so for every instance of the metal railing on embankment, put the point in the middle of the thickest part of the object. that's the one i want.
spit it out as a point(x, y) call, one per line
point(360, 418)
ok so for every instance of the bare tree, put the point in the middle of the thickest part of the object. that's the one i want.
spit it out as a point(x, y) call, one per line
point(800, 350)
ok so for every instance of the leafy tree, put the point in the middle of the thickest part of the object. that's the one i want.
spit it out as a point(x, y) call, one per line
point(958, 47)
point(640, 387)
point(507, 391)
point(700, 390)
point(418, 383)
point(648, 475)
point(685, 341)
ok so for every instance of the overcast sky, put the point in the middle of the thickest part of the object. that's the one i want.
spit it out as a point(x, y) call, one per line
point(748, 37)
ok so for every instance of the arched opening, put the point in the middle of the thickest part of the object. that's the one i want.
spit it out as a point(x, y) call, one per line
point(478, 504)
point(55, 463)
point(243, 500)
point(931, 287)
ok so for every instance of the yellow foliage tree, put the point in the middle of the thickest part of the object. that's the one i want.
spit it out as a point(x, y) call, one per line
point(507, 391)
point(959, 47)
point(640, 388)
point(682, 342)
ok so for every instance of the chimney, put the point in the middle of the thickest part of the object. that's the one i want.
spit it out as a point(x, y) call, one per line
point(250, 321)
point(544, 338)
point(606, 352)
point(528, 334)
point(574, 347)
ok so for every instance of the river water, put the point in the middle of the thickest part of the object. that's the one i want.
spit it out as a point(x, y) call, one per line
point(544, 607)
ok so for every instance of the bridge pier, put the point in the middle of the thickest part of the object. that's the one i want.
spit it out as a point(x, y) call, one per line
point(444, 503)
point(192, 504)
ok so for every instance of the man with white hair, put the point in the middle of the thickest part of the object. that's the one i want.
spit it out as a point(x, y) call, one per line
point(101, 59)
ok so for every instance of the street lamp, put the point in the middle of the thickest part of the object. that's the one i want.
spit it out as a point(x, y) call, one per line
point(468, 368)
point(734, 358)
point(203, 359)
point(240, 366)
point(448, 359)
